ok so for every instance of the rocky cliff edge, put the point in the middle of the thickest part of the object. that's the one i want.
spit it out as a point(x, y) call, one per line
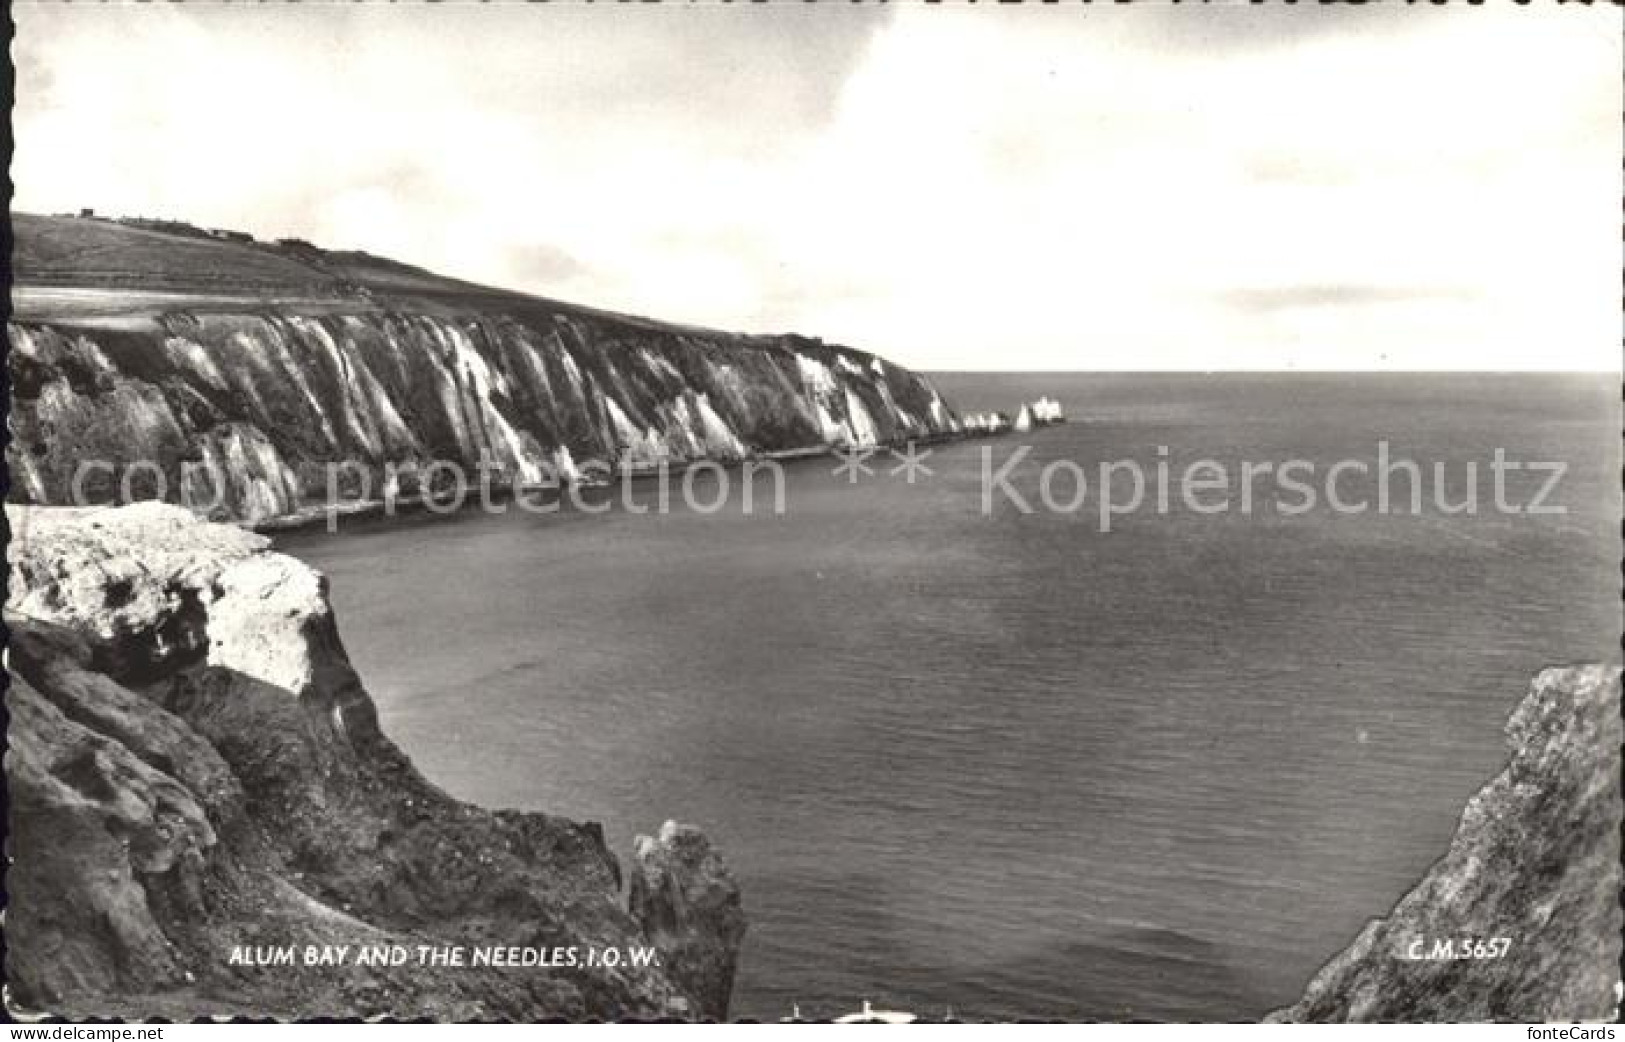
point(1520, 920)
point(195, 768)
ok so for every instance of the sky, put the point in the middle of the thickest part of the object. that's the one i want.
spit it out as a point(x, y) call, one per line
point(1067, 187)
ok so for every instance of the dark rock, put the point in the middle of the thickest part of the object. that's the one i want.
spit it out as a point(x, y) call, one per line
point(239, 415)
point(1535, 860)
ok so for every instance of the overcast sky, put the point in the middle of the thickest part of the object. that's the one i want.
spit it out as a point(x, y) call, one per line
point(990, 187)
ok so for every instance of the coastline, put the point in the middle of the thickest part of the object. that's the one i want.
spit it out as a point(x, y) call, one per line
point(163, 647)
point(194, 766)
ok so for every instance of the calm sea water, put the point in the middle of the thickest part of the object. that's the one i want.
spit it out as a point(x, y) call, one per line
point(1008, 763)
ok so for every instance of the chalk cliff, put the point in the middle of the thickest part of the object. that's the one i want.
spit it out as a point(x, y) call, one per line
point(1535, 861)
point(194, 766)
point(239, 371)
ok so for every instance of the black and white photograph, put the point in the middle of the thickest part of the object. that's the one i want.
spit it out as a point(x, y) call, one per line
point(813, 512)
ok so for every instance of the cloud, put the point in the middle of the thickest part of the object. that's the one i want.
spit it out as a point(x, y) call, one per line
point(957, 187)
point(726, 74)
point(1293, 298)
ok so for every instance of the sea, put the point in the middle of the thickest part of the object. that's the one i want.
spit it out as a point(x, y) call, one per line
point(971, 760)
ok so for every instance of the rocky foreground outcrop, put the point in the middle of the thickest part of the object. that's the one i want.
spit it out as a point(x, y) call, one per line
point(194, 768)
point(355, 381)
point(1535, 862)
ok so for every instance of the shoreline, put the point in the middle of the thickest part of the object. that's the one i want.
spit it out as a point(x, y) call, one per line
point(184, 673)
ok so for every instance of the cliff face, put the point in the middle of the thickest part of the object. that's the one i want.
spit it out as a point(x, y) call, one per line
point(233, 372)
point(1535, 861)
point(195, 768)
point(241, 410)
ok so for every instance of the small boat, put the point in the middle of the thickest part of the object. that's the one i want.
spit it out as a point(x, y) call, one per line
point(795, 1015)
point(870, 1015)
